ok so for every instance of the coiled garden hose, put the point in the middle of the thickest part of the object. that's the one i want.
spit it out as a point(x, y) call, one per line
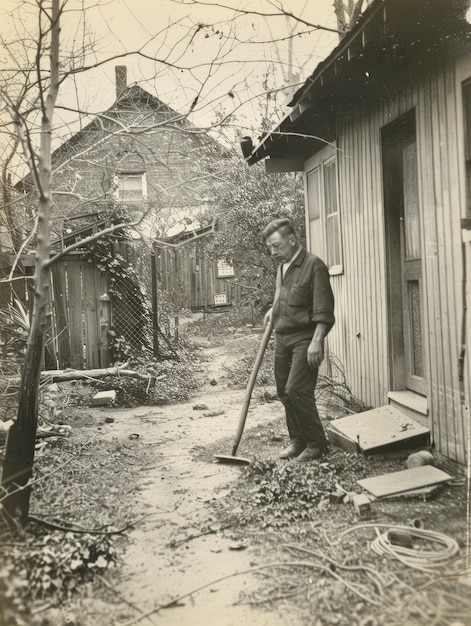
point(396, 540)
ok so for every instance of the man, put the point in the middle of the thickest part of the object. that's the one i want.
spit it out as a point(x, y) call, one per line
point(302, 315)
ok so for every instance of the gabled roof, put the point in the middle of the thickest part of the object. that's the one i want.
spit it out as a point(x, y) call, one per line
point(127, 101)
point(392, 41)
point(131, 97)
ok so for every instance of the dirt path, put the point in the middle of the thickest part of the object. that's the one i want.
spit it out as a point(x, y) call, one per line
point(164, 561)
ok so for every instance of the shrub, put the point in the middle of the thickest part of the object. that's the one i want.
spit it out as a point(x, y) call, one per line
point(49, 567)
point(169, 380)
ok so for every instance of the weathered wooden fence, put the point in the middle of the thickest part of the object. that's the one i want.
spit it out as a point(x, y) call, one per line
point(193, 280)
point(81, 313)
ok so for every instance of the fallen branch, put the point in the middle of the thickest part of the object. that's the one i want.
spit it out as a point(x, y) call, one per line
point(119, 595)
point(73, 374)
point(427, 587)
point(282, 596)
point(258, 568)
point(30, 483)
point(372, 573)
point(82, 531)
point(174, 543)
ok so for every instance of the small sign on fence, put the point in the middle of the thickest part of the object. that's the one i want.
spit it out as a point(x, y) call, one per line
point(225, 270)
point(220, 298)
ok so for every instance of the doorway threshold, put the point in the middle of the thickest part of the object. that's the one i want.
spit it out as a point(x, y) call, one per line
point(410, 400)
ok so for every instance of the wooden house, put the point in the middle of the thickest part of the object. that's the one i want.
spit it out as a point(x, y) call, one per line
point(382, 132)
point(140, 157)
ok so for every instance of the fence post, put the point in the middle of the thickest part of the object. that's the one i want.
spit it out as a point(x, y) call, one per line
point(155, 302)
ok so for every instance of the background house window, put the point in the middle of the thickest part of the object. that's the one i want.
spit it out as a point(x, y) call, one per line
point(131, 187)
point(224, 269)
point(323, 216)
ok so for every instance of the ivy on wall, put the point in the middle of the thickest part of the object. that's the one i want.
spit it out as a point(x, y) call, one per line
point(131, 330)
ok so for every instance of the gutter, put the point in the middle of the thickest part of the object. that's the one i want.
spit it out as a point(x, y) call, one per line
point(301, 99)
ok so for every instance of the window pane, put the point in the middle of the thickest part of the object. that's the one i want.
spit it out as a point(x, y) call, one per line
point(411, 202)
point(467, 121)
point(313, 195)
point(332, 215)
point(416, 327)
point(130, 186)
point(315, 237)
point(330, 188)
point(333, 240)
point(467, 118)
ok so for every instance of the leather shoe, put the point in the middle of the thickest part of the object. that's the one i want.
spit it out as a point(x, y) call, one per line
point(296, 447)
point(312, 452)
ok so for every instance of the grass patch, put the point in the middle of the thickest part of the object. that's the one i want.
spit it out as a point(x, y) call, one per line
point(85, 484)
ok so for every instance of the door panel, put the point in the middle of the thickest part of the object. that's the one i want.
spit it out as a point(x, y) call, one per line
point(411, 262)
point(404, 256)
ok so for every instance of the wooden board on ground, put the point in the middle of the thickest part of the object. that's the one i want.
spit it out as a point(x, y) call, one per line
point(425, 493)
point(377, 429)
point(404, 480)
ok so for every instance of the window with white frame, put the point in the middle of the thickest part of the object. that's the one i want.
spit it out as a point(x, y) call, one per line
point(322, 215)
point(131, 186)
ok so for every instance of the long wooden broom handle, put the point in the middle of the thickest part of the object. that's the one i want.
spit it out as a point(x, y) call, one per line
point(250, 385)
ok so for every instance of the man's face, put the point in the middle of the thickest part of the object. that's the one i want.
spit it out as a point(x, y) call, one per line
point(281, 248)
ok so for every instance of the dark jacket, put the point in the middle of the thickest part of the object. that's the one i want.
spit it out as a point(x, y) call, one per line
point(304, 296)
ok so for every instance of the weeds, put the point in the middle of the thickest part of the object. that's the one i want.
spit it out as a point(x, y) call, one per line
point(220, 323)
point(333, 392)
point(238, 372)
point(51, 566)
point(279, 494)
point(170, 381)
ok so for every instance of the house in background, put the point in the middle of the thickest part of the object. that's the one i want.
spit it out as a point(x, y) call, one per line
point(138, 157)
point(382, 132)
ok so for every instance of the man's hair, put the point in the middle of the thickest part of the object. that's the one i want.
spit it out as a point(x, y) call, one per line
point(283, 225)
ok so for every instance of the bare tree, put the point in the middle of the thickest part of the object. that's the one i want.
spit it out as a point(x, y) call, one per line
point(30, 89)
point(19, 454)
point(31, 116)
point(347, 13)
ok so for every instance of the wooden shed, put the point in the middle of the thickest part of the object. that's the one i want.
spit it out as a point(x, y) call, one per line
point(192, 278)
point(382, 132)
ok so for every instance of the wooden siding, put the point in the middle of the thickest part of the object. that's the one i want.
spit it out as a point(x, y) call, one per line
point(81, 316)
point(360, 337)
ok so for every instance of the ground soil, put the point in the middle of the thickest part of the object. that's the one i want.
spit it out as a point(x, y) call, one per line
point(188, 550)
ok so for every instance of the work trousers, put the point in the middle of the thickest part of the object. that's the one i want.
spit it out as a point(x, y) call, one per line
point(295, 384)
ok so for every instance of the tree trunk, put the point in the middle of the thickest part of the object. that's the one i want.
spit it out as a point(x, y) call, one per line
point(19, 452)
point(347, 14)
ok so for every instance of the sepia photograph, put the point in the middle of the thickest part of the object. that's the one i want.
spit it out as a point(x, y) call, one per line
point(235, 292)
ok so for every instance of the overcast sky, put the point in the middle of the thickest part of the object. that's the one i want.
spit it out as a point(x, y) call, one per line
point(162, 29)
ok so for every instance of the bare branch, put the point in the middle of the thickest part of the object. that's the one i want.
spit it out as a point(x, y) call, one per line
point(91, 239)
point(281, 12)
point(23, 247)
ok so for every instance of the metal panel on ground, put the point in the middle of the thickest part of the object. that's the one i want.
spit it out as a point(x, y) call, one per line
point(376, 430)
